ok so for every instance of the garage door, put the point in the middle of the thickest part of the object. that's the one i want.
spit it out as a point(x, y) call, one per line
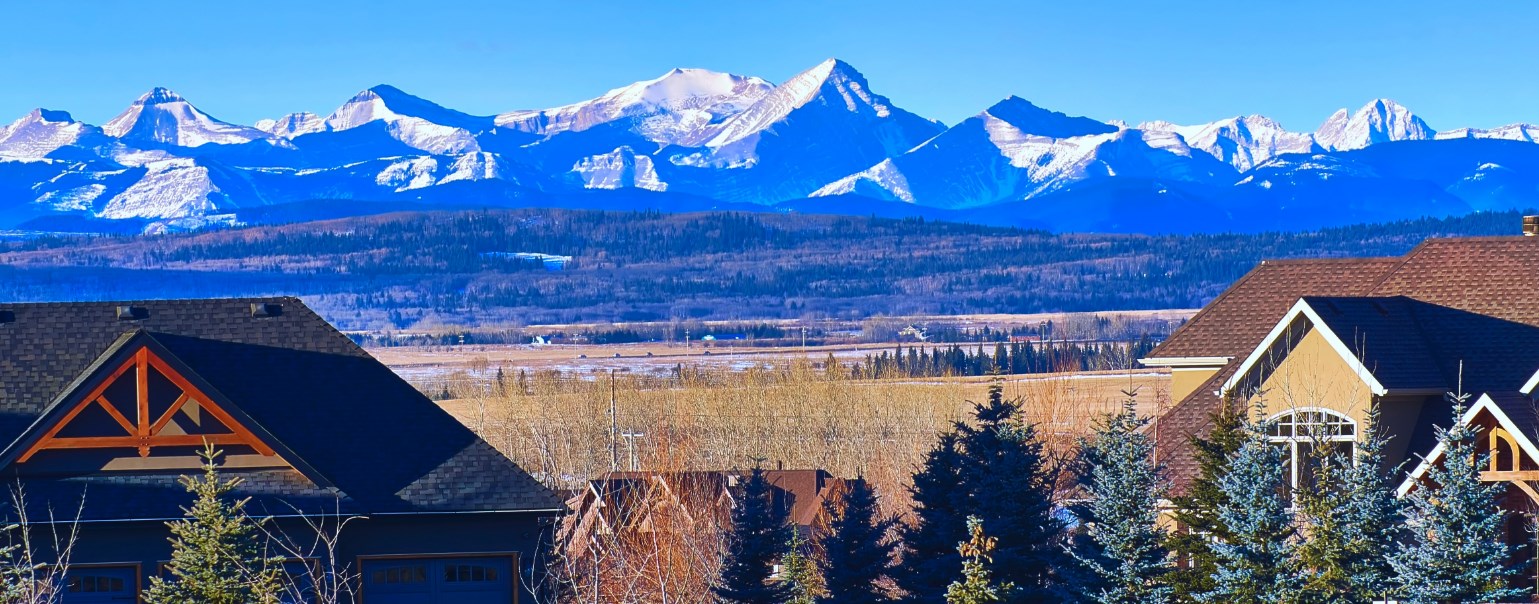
point(92, 585)
point(471, 580)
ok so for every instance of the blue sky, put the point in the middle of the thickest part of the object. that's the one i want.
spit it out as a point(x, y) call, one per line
point(1456, 64)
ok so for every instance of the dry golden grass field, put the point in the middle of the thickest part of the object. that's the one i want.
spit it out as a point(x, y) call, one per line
point(779, 412)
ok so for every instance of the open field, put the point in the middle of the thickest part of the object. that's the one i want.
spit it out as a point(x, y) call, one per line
point(424, 364)
point(791, 415)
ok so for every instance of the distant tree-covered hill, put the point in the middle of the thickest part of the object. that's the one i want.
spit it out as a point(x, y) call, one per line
point(414, 270)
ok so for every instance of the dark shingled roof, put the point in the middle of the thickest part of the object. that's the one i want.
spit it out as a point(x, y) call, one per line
point(384, 446)
point(1234, 323)
point(1493, 277)
point(1413, 345)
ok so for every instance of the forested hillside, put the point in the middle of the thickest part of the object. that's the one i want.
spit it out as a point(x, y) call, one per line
point(417, 270)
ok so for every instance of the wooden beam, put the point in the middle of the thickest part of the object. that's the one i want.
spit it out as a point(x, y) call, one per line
point(208, 405)
point(111, 442)
point(166, 418)
point(1523, 485)
point(1509, 476)
point(128, 427)
point(144, 434)
point(101, 388)
point(141, 359)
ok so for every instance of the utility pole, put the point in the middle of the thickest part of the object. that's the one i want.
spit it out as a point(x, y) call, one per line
point(614, 426)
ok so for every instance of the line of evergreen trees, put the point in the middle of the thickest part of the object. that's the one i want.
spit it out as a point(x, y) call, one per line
point(1007, 358)
point(989, 525)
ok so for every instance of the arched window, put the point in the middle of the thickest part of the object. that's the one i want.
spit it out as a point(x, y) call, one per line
point(1308, 435)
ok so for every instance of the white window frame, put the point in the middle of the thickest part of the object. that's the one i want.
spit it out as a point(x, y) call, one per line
point(1295, 437)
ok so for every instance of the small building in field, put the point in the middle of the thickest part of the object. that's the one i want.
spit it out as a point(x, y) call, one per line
point(1317, 344)
point(684, 507)
point(105, 406)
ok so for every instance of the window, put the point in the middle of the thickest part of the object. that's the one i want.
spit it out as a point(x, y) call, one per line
point(468, 572)
point(1302, 434)
point(95, 583)
point(400, 574)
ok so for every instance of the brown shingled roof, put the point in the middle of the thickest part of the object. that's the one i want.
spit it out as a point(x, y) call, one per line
point(1494, 276)
point(1233, 324)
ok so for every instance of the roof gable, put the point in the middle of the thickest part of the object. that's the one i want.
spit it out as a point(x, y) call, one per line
point(321, 402)
point(1288, 330)
point(1515, 415)
point(156, 402)
point(1408, 346)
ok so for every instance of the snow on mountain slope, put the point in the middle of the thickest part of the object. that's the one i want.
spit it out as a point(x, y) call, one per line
point(833, 83)
point(178, 188)
point(161, 116)
point(1002, 154)
point(682, 107)
point(412, 173)
point(418, 123)
point(618, 169)
point(1512, 132)
point(1242, 141)
point(292, 125)
point(1380, 121)
point(1031, 119)
point(818, 126)
point(41, 132)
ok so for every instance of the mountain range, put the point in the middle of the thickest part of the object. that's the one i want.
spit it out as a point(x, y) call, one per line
point(821, 142)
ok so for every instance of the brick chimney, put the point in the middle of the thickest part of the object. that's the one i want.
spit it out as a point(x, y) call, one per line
point(1530, 226)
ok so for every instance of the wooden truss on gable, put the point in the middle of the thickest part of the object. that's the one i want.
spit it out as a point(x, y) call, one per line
point(144, 404)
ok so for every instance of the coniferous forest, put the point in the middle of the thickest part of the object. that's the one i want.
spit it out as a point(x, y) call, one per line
point(401, 271)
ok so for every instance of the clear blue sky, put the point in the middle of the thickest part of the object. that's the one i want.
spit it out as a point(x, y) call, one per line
point(1455, 63)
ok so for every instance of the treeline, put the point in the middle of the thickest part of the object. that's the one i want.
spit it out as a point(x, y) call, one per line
point(403, 271)
point(989, 525)
point(1012, 358)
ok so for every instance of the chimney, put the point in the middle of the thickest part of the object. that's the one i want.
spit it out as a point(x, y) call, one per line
point(1530, 226)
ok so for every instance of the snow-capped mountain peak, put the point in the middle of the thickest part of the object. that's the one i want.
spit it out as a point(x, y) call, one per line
point(418, 122)
point(164, 117)
point(1031, 119)
point(39, 133)
point(1379, 121)
point(833, 80)
point(1242, 141)
point(680, 107)
point(388, 103)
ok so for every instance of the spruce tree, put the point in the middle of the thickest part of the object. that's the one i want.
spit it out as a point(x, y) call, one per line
point(857, 550)
point(759, 532)
point(1122, 547)
point(1256, 562)
point(977, 583)
point(217, 551)
point(1196, 512)
point(938, 524)
point(1455, 551)
point(1010, 489)
point(1350, 517)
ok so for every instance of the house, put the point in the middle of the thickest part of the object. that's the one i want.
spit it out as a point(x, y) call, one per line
point(622, 505)
point(1316, 344)
point(103, 406)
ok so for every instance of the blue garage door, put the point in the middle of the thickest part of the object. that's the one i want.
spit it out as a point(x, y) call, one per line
point(91, 585)
point(473, 580)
